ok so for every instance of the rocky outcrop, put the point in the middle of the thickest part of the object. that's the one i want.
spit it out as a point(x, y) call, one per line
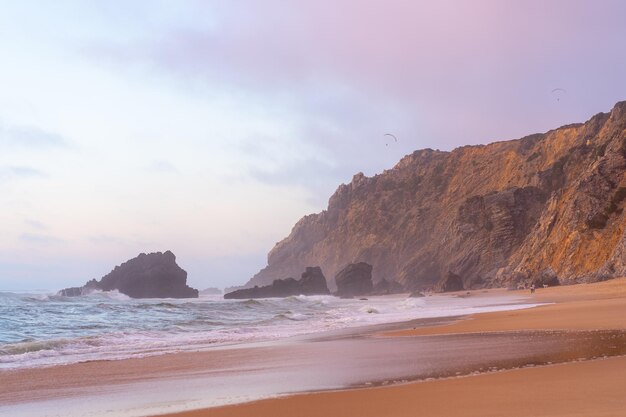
point(452, 282)
point(312, 282)
point(153, 275)
point(494, 215)
point(354, 280)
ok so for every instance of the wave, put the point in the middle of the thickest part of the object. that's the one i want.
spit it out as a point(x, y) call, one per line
point(110, 325)
point(251, 303)
point(30, 346)
point(369, 310)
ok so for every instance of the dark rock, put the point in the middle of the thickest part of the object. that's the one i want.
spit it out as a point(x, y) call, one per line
point(384, 287)
point(547, 278)
point(153, 275)
point(233, 288)
point(452, 282)
point(71, 292)
point(312, 282)
point(416, 294)
point(354, 280)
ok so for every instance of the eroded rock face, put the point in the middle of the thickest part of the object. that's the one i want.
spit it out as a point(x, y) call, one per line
point(354, 280)
point(494, 215)
point(153, 275)
point(452, 282)
point(312, 282)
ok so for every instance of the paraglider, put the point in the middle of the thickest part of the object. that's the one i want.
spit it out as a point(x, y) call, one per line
point(558, 92)
point(393, 136)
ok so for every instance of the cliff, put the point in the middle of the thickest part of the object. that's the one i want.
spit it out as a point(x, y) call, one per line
point(153, 275)
point(547, 207)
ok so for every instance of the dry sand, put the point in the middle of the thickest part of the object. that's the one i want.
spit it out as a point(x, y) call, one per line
point(591, 388)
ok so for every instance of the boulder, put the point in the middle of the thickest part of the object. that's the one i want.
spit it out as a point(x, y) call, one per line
point(153, 275)
point(312, 282)
point(354, 280)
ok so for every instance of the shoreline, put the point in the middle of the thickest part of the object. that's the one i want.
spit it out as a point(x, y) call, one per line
point(155, 381)
point(592, 387)
point(272, 365)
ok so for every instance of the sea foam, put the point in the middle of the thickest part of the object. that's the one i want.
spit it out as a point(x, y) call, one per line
point(45, 329)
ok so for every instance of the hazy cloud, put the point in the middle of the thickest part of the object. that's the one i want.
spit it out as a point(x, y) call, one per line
point(40, 239)
point(163, 166)
point(20, 172)
point(35, 224)
point(116, 241)
point(27, 136)
point(448, 73)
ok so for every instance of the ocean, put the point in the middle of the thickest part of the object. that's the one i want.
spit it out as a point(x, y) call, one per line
point(41, 330)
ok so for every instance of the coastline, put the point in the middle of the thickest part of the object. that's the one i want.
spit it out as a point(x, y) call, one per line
point(580, 388)
point(354, 358)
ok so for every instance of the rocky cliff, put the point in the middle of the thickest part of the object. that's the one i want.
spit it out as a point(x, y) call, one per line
point(153, 275)
point(544, 207)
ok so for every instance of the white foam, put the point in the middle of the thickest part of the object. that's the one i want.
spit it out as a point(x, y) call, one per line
point(109, 325)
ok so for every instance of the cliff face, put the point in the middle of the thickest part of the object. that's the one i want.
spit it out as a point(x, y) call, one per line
point(517, 211)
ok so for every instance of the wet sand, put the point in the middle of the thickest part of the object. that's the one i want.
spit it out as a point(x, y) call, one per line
point(589, 388)
point(587, 321)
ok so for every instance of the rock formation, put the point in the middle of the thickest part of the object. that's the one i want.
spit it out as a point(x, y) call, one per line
point(452, 282)
point(493, 215)
point(312, 282)
point(153, 275)
point(354, 280)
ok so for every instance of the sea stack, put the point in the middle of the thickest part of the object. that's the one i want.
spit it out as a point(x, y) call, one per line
point(153, 275)
point(311, 282)
point(355, 280)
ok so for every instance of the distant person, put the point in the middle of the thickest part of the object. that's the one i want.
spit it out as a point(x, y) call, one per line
point(532, 288)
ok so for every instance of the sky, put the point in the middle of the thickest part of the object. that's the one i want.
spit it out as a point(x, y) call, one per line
point(210, 127)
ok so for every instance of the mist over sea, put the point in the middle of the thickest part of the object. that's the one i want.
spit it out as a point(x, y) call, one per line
point(39, 330)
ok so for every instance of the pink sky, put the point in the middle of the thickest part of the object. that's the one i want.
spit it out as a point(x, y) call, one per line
point(247, 115)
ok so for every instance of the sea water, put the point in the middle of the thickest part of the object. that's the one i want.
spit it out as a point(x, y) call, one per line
point(38, 330)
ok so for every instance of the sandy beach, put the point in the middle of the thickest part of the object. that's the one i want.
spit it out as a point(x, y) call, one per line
point(586, 388)
point(537, 361)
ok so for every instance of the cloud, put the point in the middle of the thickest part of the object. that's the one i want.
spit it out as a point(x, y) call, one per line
point(40, 239)
point(310, 173)
point(461, 72)
point(20, 172)
point(163, 167)
point(30, 137)
point(35, 224)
